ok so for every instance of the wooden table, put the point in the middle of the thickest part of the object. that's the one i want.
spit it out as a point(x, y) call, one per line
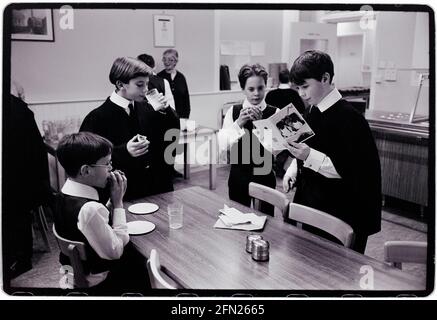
point(201, 133)
point(201, 257)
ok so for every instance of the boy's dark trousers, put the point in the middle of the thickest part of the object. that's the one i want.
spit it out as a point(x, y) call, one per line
point(127, 275)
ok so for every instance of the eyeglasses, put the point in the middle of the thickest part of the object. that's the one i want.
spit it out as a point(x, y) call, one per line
point(102, 165)
point(168, 59)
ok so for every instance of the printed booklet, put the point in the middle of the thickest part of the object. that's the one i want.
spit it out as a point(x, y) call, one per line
point(285, 126)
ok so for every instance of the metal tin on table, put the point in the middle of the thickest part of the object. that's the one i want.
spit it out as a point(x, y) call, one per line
point(249, 239)
point(260, 250)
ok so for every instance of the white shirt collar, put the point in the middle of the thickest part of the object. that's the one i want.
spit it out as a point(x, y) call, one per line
point(284, 86)
point(120, 101)
point(329, 100)
point(77, 189)
point(247, 104)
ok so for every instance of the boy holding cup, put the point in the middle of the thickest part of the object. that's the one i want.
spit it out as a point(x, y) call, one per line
point(124, 118)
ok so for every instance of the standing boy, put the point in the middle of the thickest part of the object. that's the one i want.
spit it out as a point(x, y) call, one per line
point(135, 129)
point(338, 170)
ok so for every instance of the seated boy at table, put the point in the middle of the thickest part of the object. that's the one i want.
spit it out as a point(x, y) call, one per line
point(112, 265)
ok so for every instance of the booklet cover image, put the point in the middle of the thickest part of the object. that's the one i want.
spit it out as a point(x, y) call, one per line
point(283, 127)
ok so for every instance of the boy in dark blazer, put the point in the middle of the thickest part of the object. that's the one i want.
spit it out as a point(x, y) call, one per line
point(135, 128)
point(337, 170)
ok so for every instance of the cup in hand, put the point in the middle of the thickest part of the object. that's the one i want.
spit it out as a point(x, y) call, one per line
point(175, 215)
point(153, 98)
point(191, 125)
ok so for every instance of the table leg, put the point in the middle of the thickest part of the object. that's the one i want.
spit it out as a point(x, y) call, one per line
point(186, 162)
point(212, 165)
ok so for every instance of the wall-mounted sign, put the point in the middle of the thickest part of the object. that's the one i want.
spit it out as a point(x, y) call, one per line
point(163, 27)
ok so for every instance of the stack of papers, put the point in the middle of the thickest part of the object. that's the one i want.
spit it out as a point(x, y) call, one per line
point(231, 218)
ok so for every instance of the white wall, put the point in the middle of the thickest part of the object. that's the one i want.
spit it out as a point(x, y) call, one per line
point(253, 26)
point(288, 17)
point(408, 54)
point(348, 68)
point(315, 35)
point(77, 64)
point(421, 41)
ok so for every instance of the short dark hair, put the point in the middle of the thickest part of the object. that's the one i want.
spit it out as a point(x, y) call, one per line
point(248, 71)
point(78, 149)
point(147, 59)
point(284, 76)
point(311, 64)
point(127, 68)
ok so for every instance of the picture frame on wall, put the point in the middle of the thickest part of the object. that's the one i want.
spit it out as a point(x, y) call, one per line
point(163, 31)
point(32, 25)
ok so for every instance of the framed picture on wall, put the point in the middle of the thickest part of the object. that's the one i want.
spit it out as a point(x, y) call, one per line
point(32, 25)
point(163, 30)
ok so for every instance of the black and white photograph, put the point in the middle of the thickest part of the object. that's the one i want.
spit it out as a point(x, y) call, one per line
point(293, 127)
point(32, 25)
point(115, 117)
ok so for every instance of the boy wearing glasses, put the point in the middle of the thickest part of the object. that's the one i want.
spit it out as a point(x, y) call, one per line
point(80, 216)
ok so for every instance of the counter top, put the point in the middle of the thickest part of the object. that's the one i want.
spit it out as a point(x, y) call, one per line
point(397, 123)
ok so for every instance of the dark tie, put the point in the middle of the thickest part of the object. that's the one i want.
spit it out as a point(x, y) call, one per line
point(131, 109)
point(133, 118)
point(314, 117)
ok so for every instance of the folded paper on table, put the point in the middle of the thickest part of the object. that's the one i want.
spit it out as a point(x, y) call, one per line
point(283, 127)
point(231, 218)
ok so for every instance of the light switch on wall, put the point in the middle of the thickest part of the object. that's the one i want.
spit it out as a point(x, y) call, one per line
point(378, 78)
point(382, 64)
point(390, 74)
point(391, 65)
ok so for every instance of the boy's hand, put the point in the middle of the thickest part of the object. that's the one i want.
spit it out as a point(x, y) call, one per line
point(299, 150)
point(288, 183)
point(137, 146)
point(255, 113)
point(163, 100)
point(247, 114)
point(118, 184)
point(124, 179)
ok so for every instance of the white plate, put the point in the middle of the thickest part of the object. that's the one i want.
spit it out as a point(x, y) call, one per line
point(140, 227)
point(143, 208)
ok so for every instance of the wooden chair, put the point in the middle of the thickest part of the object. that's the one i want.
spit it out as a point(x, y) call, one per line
point(223, 110)
point(158, 279)
point(76, 252)
point(274, 197)
point(398, 252)
point(323, 221)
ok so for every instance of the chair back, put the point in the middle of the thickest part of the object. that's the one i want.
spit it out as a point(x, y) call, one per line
point(223, 110)
point(158, 279)
point(398, 252)
point(274, 197)
point(323, 221)
point(75, 250)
